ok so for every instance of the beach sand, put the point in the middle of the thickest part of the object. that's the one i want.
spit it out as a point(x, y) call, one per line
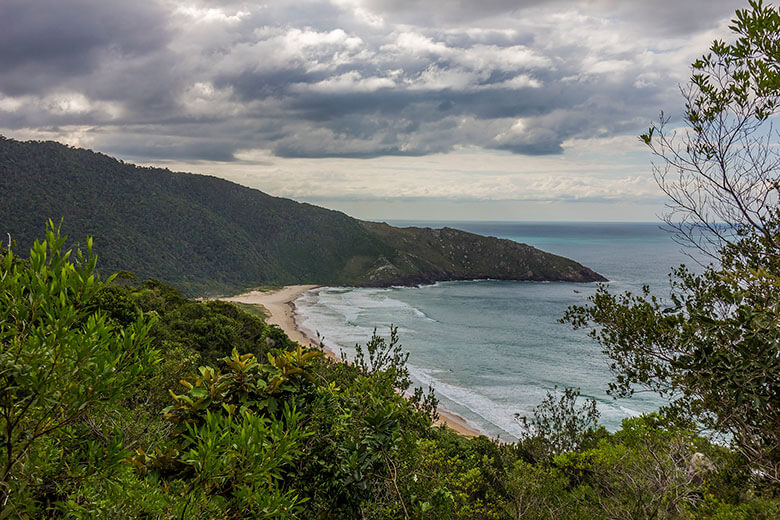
point(280, 308)
point(278, 304)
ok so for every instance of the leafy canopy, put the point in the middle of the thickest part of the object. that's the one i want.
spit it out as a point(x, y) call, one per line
point(714, 349)
point(58, 359)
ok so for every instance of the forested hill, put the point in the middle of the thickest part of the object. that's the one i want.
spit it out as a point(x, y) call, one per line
point(209, 235)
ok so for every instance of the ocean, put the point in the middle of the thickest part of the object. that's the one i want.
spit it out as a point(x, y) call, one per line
point(493, 349)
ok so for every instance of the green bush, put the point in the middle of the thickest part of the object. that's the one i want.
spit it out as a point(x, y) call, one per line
point(59, 362)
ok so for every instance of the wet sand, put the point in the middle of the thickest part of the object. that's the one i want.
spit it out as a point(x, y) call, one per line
point(281, 312)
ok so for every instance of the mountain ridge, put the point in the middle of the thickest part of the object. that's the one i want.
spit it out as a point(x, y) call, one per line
point(208, 235)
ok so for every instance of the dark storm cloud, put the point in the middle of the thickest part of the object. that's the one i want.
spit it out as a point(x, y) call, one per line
point(340, 79)
point(45, 42)
point(154, 147)
point(660, 16)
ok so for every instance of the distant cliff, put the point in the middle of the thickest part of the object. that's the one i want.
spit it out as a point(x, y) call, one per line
point(209, 235)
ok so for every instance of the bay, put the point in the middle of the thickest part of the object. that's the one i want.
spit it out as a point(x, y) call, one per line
point(493, 349)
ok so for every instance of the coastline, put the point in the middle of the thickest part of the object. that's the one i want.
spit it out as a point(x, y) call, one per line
point(280, 307)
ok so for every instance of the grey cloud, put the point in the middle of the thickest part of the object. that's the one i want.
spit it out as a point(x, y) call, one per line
point(451, 11)
point(150, 146)
point(674, 17)
point(313, 79)
point(47, 41)
point(662, 17)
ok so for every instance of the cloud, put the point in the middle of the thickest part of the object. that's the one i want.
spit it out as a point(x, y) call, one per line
point(467, 174)
point(205, 80)
point(662, 17)
point(50, 42)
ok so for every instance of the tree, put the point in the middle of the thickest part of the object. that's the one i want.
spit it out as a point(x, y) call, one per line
point(714, 349)
point(236, 437)
point(721, 170)
point(58, 357)
point(558, 425)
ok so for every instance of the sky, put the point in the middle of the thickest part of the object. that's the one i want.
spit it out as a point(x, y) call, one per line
point(384, 109)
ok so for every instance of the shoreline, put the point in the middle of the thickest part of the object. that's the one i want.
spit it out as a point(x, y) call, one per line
point(280, 307)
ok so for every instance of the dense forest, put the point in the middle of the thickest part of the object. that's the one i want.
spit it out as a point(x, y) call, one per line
point(208, 235)
point(127, 400)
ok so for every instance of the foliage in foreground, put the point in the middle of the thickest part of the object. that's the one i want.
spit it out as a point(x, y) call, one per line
point(714, 349)
point(114, 406)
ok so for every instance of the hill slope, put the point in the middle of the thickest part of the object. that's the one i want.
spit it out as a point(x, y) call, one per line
point(424, 255)
point(206, 234)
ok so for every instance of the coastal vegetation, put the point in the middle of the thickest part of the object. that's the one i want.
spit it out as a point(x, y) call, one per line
point(206, 235)
point(124, 399)
point(714, 349)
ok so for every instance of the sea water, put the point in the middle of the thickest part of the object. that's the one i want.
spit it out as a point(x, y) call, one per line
point(493, 349)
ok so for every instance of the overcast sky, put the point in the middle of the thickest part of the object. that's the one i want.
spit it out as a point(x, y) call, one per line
point(485, 109)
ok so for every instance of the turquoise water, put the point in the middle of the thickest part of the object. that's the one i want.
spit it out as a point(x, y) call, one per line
point(492, 349)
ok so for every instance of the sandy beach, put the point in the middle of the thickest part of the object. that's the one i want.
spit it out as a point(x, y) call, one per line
point(281, 312)
point(279, 306)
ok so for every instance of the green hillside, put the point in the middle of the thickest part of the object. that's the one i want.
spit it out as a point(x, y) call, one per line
point(423, 255)
point(208, 235)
